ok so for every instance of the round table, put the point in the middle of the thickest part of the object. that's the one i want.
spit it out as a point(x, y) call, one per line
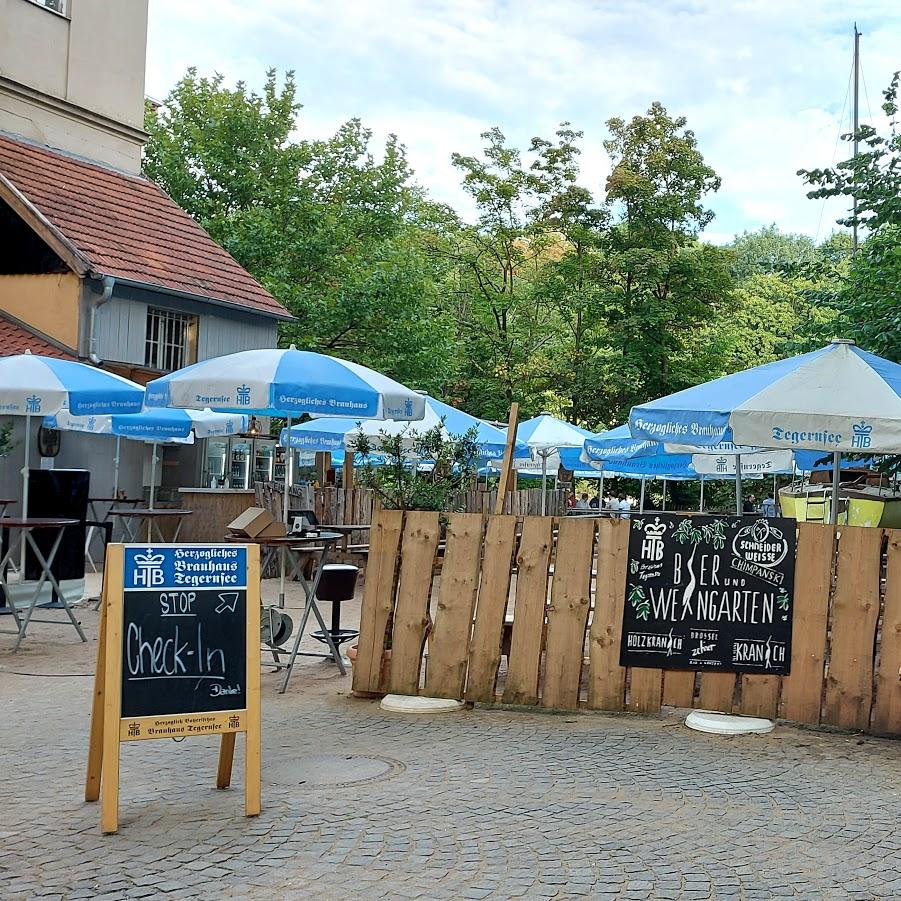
point(153, 518)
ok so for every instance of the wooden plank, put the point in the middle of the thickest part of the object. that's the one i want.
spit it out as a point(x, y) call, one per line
point(494, 588)
point(508, 476)
point(887, 709)
point(527, 641)
point(760, 696)
point(607, 679)
point(716, 691)
point(646, 690)
point(449, 639)
point(802, 688)
point(678, 688)
point(567, 614)
point(378, 599)
point(411, 613)
point(855, 610)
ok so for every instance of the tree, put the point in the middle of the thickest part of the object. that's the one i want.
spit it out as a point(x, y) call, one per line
point(769, 250)
point(329, 229)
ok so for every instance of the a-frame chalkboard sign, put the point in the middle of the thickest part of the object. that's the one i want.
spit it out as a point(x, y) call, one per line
point(178, 655)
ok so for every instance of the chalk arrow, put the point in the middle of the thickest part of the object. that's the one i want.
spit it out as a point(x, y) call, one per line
point(228, 601)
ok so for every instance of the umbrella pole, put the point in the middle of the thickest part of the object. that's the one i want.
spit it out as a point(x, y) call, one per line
point(543, 483)
point(25, 477)
point(289, 474)
point(738, 503)
point(116, 466)
point(601, 489)
point(152, 487)
point(702, 495)
point(641, 497)
point(664, 494)
point(836, 482)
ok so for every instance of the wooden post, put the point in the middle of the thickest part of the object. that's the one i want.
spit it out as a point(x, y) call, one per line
point(348, 478)
point(503, 485)
point(323, 465)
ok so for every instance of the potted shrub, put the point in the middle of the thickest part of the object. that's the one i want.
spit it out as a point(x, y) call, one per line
point(414, 470)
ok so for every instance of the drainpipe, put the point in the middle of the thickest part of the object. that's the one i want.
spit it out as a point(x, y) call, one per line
point(108, 283)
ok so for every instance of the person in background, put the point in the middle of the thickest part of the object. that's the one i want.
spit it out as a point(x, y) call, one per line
point(769, 507)
point(582, 503)
point(749, 505)
point(595, 502)
point(625, 507)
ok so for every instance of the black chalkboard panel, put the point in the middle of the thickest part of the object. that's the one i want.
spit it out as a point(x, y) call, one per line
point(184, 630)
point(712, 593)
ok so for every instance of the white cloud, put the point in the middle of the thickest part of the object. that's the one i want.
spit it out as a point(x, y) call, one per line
point(761, 81)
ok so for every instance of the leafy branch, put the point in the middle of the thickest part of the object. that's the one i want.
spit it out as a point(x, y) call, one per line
point(639, 602)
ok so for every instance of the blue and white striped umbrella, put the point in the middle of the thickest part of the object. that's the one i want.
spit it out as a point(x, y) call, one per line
point(333, 433)
point(160, 424)
point(838, 398)
point(273, 382)
point(33, 385)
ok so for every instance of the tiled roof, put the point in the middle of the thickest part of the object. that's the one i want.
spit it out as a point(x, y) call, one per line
point(16, 338)
point(125, 226)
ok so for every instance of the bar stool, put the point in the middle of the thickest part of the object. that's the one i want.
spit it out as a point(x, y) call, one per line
point(337, 584)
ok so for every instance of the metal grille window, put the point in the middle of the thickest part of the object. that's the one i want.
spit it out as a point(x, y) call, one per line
point(58, 6)
point(170, 340)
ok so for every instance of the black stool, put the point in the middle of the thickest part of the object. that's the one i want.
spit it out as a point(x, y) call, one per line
point(337, 584)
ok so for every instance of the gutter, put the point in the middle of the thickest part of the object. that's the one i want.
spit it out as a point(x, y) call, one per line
point(108, 283)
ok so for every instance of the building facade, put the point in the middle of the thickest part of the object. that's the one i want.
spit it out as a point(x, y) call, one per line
point(94, 258)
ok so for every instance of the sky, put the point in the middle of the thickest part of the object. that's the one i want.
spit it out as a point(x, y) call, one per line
point(763, 83)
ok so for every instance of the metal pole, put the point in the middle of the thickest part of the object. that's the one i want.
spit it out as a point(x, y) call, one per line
point(152, 476)
point(664, 494)
point(116, 466)
point(641, 497)
point(289, 459)
point(25, 476)
point(738, 504)
point(836, 482)
point(702, 495)
point(601, 489)
point(856, 125)
point(543, 482)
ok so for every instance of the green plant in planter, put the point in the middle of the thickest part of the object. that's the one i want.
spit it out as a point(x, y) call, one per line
point(398, 482)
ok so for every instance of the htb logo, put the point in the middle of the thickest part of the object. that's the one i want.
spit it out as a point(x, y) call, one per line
point(243, 393)
point(862, 432)
point(148, 571)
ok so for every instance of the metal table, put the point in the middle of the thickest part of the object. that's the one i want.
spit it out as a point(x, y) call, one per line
point(94, 516)
point(25, 527)
point(299, 550)
point(152, 518)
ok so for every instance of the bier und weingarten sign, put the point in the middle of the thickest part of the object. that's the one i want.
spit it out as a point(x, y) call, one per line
point(711, 593)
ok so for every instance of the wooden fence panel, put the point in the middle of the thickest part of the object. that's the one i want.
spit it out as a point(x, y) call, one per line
point(715, 691)
point(527, 640)
point(759, 696)
point(378, 599)
point(802, 688)
point(452, 629)
point(494, 589)
point(678, 688)
point(849, 683)
point(887, 709)
point(645, 690)
point(567, 615)
point(607, 679)
point(411, 619)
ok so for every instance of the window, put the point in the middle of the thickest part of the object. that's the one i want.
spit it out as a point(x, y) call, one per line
point(171, 341)
point(58, 6)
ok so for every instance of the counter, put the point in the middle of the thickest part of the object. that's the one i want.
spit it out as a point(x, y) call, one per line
point(214, 509)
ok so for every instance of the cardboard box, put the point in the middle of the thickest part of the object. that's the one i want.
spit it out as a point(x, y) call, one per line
point(252, 522)
point(275, 529)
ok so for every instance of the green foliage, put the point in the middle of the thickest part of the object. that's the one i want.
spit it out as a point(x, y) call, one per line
point(639, 601)
point(331, 231)
point(769, 251)
point(712, 533)
point(6, 439)
point(398, 482)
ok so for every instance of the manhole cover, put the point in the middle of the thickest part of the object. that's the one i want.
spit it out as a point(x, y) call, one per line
point(333, 769)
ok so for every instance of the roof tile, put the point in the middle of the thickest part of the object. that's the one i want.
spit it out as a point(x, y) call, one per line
point(126, 227)
point(16, 339)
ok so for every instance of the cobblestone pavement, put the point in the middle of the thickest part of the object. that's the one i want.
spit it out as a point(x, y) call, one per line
point(482, 804)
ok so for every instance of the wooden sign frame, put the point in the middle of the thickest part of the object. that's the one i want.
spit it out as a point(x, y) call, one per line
point(109, 729)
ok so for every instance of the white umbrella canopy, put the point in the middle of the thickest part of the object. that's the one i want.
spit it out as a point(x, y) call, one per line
point(35, 385)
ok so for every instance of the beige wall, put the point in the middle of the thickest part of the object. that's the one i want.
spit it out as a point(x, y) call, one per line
point(76, 82)
point(48, 303)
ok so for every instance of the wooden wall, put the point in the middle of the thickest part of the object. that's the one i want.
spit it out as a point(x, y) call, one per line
point(546, 597)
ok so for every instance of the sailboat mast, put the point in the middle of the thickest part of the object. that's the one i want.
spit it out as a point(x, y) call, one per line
point(856, 123)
